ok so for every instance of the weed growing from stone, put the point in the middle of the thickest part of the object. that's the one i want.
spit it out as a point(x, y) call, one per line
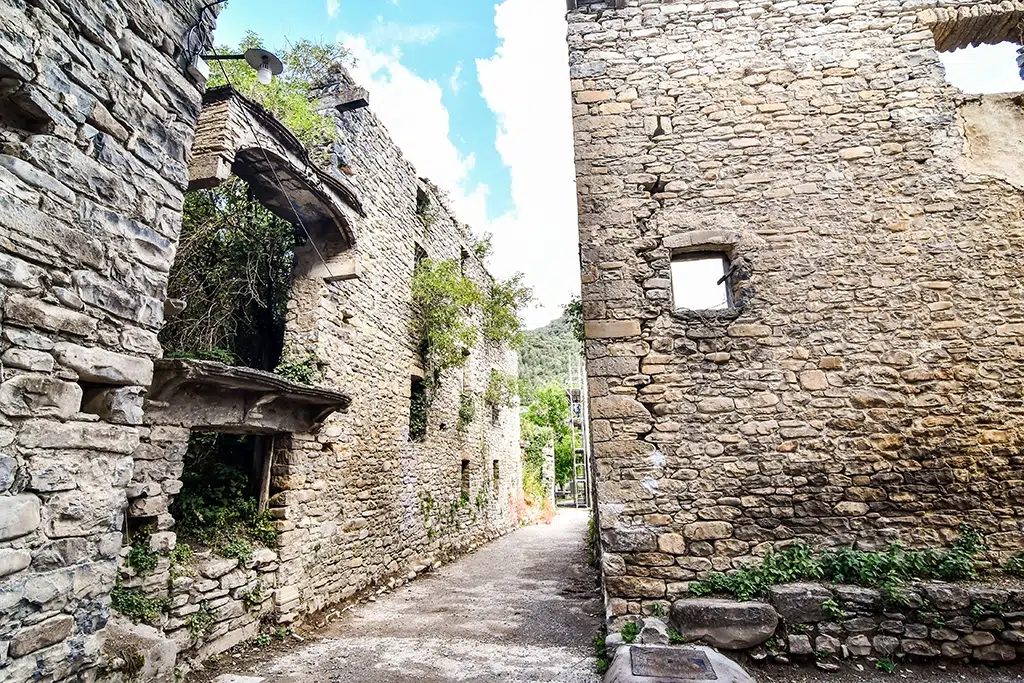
point(833, 611)
point(675, 637)
point(140, 557)
point(261, 641)
point(255, 596)
point(885, 665)
point(200, 622)
point(301, 368)
point(630, 630)
point(1015, 566)
point(886, 570)
point(601, 653)
point(238, 549)
point(132, 603)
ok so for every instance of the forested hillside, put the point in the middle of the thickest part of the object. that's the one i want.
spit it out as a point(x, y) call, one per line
point(545, 355)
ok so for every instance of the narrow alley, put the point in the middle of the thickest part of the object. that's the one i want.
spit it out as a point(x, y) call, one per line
point(524, 608)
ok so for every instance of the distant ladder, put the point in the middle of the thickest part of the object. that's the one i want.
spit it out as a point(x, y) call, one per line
point(576, 391)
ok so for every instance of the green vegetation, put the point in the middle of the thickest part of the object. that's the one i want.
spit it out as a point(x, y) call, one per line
point(675, 637)
point(132, 603)
point(505, 300)
point(140, 557)
point(442, 299)
point(573, 315)
point(255, 596)
point(307, 64)
point(481, 246)
point(215, 507)
point(885, 665)
point(200, 622)
point(630, 630)
point(502, 390)
point(419, 409)
point(885, 570)
point(467, 411)
point(549, 411)
point(301, 368)
point(1015, 566)
point(601, 653)
point(833, 611)
point(545, 356)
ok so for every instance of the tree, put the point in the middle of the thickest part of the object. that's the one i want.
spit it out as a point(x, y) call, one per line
point(550, 411)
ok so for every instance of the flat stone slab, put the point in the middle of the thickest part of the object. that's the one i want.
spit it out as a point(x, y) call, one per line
point(673, 663)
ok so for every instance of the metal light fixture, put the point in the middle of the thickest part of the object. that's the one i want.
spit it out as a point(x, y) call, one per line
point(266, 64)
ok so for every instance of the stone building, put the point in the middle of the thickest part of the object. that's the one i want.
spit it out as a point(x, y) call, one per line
point(801, 281)
point(97, 122)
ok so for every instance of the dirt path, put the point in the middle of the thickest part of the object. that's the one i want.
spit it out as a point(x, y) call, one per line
point(523, 608)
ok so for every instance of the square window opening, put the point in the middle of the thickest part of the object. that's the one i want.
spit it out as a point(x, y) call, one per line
point(701, 281)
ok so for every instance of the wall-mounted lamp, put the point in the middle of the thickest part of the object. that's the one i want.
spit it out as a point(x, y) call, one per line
point(266, 64)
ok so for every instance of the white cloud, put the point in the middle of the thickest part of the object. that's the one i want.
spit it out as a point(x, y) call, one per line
point(526, 85)
point(390, 33)
point(984, 69)
point(412, 110)
point(332, 7)
point(454, 83)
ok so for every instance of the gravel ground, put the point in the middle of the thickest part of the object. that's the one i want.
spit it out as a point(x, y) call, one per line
point(866, 673)
point(522, 609)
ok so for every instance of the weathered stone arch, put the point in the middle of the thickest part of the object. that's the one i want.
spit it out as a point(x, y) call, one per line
point(238, 136)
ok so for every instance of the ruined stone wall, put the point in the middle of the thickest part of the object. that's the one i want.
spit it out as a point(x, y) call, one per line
point(865, 386)
point(363, 507)
point(96, 120)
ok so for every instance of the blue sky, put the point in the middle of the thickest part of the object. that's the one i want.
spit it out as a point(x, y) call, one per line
point(458, 83)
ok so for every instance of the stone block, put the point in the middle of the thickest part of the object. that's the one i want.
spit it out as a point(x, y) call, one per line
point(724, 623)
point(800, 603)
point(653, 631)
point(85, 435)
point(39, 396)
point(105, 367)
point(28, 359)
point(617, 406)
point(120, 406)
point(707, 531)
point(799, 645)
point(36, 313)
point(610, 329)
point(19, 515)
point(13, 561)
point(44, 634)
point(632, 663)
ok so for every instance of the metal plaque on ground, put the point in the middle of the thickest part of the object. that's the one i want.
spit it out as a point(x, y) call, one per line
point(682, 664)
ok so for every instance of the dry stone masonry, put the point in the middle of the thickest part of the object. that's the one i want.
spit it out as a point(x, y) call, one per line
point(97, 120)
point(863, 384)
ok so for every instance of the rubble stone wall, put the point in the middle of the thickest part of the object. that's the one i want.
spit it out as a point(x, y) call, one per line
point(96, 120)
point(809, 621)
point(865, 385)
point(363, 507)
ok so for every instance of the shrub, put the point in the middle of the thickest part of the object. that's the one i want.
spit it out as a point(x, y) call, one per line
point(630, 630)
point(502, 390)
point(140, 557)
point(467, 411)
point(442, 298)
point(238, 549)
point(505, 301)
point(299, 368)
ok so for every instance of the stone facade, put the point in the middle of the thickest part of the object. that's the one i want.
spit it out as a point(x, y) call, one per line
point(96, 122)
point(864, 384)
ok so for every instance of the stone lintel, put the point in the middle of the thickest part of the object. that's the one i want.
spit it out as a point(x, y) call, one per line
point(695, 240)
point(196, 394)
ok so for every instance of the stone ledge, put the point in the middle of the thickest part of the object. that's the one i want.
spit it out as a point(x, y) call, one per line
point(983, 622)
